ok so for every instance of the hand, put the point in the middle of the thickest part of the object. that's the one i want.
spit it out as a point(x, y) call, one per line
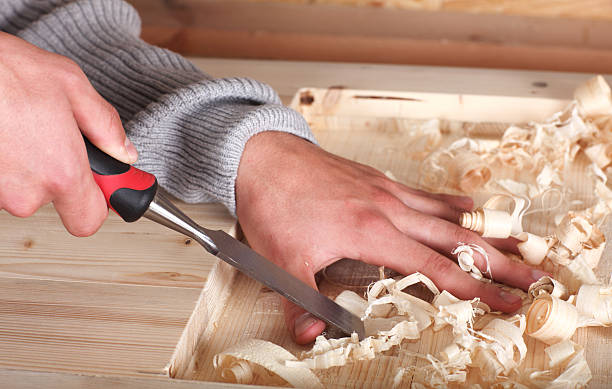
point(305, 208)
point(46, 102)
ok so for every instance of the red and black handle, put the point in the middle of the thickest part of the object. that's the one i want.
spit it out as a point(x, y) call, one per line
point(128, 191)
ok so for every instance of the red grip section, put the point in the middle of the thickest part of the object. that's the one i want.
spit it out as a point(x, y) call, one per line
point(132, 179)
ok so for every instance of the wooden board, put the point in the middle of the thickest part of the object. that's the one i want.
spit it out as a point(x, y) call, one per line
point(578, 9)
point(39, 254)
point(371, 127)
point(277, 30)
point(118, 302)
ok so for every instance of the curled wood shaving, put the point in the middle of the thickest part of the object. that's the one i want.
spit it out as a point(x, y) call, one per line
point(600, 154)
point(533, 248)
point(594, 302)
point(551, 320)
point(488, 222)
point(500, 217)
point(465, 259)
point(253, 358)
point(459, 166)
point(575, 370)
point(502, 348)
point(573, 231)
point(544, 150)
point(549, 286)
point(594, 97)
point(327, 353)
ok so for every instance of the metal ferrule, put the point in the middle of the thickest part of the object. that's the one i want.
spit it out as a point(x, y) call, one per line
point(162, 211)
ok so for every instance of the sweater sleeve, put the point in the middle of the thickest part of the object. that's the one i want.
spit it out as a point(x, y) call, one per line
point(190, 129)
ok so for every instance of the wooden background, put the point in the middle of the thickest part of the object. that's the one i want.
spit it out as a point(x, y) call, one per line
point(559, 35)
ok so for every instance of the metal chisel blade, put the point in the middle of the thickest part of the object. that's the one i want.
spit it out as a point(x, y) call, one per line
point(274, 277)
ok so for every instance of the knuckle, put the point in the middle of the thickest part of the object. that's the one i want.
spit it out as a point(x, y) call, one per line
point(368, 220)
point(70, 72)
point(460, 234)
point(65, 179)
point(382, 197)
point(114, 121)
point(437, 264)
point(22, 208)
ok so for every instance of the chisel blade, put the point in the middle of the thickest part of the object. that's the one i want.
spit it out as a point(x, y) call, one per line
point(274, 277)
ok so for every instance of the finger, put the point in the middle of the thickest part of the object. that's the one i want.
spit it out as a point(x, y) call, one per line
point(99, 121)
point(395, 250)
point(508, 244)
point(443, 237)
point(302, 325)
point(441, 206)
point(77, 198)
point(462, 203)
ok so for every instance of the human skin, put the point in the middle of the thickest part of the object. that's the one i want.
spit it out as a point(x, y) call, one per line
point(299, 206)
point(304, 208)
point(46, 101)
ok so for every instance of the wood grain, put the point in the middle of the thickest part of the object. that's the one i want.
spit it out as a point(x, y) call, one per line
point(119, 302)
point(376, 131)
point(91, 327)
point(279, 30)
point(590, 9)
point(287, 77)
point(142, 253)
point(23, 379)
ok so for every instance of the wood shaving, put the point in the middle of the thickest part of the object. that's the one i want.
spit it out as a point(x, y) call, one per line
point(465, 259)
point(573, 299)
point(551, 320)
point(594, 97)
point(594, 303)
point(459, 166)
point(500, 217)
point(548, 285)
point(255, 358)
point(533, 248)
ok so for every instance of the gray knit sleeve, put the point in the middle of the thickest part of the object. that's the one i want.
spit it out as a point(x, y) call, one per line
point(189, 128)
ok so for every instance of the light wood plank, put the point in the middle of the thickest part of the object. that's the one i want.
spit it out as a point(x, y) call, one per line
point(22, 379)
point(91, 327)
point(376, 131)
point(287, 77)
point(276, 30)
point(142, 253)
point(579, 9)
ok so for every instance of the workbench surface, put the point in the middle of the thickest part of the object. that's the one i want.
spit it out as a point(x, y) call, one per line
point(115, 304)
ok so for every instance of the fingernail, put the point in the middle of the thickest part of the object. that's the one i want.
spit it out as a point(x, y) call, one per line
point(303, 323)
point(537, 274)
point(509, 298)
point(131, 150)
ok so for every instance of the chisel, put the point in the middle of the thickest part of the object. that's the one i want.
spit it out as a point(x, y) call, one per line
point(133, 193)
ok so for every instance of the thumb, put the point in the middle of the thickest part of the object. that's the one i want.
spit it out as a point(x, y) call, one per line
point(100, 123)
point(303, 326)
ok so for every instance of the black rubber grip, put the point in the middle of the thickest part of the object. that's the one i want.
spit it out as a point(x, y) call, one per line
point(128, 191)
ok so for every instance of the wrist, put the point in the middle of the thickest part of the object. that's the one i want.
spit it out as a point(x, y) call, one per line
point(265, 165)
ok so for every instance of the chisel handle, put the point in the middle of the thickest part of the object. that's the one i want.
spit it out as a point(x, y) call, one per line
point(128, 191)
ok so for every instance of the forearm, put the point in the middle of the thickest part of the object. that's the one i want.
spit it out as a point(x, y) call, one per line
point(189, 128)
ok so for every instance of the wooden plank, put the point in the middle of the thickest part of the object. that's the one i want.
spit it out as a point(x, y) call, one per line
point(119, 302)
point(22, 379)
point(590, 9)
point(91, 327)
point(143, 253)
point(239, 29)
point(287, 77)
point(379, 136)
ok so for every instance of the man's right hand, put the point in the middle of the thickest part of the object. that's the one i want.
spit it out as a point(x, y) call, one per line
point(46, 102)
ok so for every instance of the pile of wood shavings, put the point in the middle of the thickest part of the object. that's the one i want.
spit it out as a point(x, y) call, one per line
point(496, 346)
